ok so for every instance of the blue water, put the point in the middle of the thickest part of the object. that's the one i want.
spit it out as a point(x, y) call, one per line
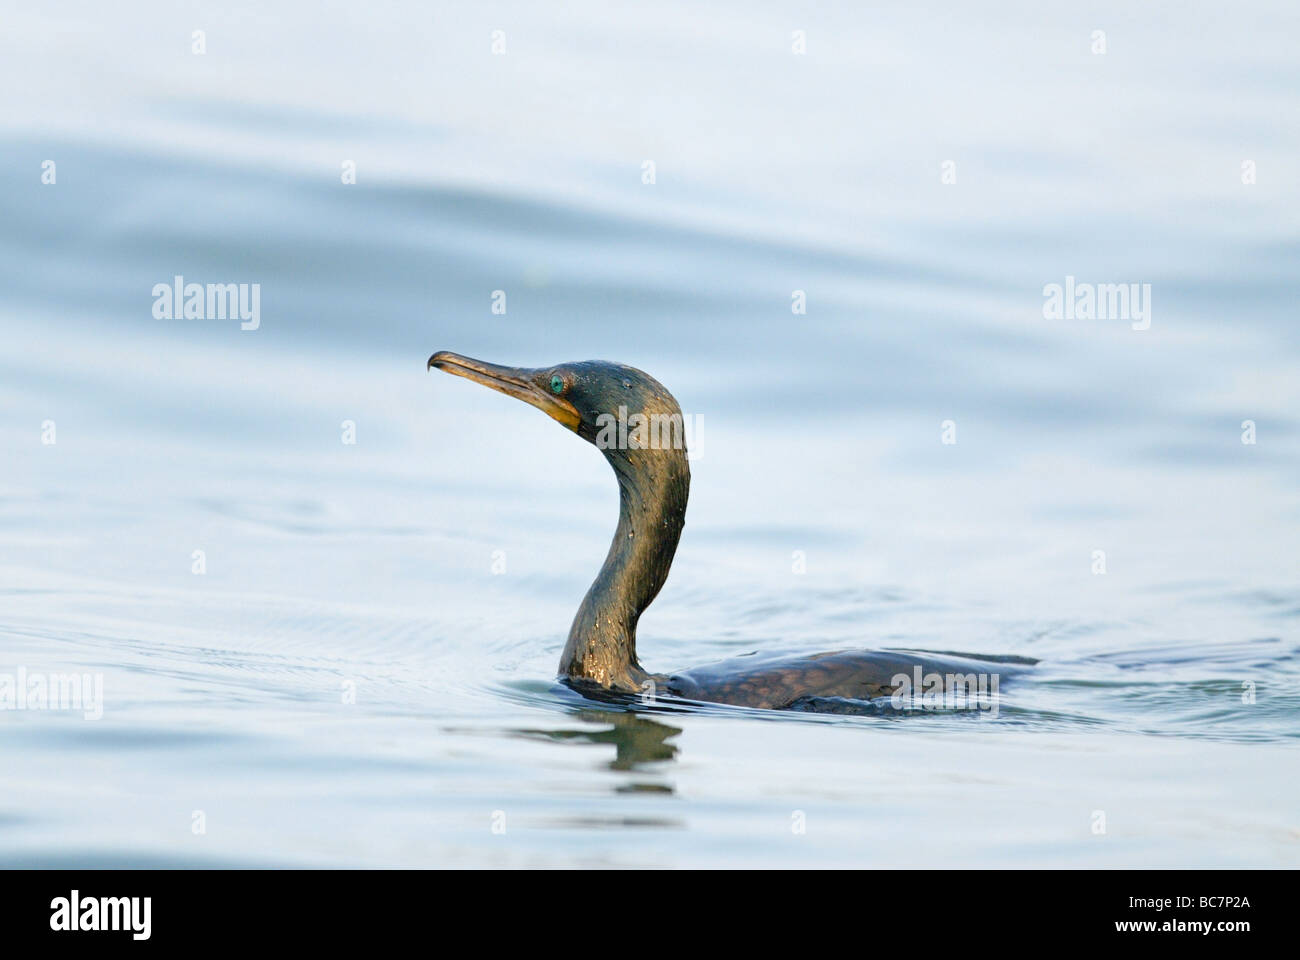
point(363, 673)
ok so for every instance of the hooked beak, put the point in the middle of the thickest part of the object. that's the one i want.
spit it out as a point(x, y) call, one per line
point(514, 381)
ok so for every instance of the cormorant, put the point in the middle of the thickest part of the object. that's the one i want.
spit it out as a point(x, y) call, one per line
point(592, 398)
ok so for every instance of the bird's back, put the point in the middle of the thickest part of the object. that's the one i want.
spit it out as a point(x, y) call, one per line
point(778, 681)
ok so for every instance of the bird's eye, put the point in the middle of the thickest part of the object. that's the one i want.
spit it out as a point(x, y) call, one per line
point(557, 384)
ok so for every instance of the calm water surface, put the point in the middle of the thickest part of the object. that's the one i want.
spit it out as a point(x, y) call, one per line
point(366, 571)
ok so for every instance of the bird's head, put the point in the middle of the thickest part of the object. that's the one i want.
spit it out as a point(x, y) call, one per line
point(616, 407)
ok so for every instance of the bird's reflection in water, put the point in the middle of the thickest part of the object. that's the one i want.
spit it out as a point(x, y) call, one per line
point(638, 741)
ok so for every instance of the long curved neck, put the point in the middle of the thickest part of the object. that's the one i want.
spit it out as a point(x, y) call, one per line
point(653, 487)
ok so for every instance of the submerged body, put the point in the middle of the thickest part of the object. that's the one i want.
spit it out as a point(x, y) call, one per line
point(654, 484)
point(785, 681)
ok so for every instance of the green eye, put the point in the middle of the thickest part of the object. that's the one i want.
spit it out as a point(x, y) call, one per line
point(557, 384)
